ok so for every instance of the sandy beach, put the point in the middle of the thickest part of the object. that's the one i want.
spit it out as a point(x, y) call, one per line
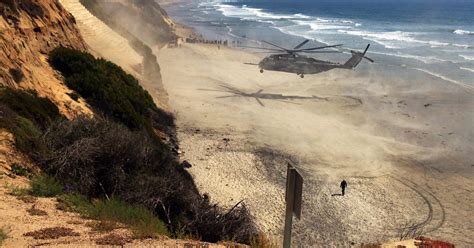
point(402, 139)
point(401, 142)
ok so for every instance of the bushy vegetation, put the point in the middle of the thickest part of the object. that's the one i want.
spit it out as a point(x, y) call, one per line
point(45, 186)
point(108, 88)
point(143, 222)
point(100, 158)
point(27, 104)
point(116, 156)
point(25, 115)
point(18, 170)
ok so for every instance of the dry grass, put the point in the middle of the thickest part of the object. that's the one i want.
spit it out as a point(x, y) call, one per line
point(262, 241)
point(26, 198)
point(34, 211)
point(51, 233)
point(103, 226)
point(113, 239)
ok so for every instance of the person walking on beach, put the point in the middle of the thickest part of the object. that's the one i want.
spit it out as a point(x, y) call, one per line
point(343, 186)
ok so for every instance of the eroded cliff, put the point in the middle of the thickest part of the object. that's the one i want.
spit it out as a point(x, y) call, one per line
point(29, 30)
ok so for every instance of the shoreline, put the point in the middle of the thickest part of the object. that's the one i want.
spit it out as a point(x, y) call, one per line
point(225, 25)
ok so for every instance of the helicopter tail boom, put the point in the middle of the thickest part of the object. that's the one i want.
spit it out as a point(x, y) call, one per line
point(357, 58)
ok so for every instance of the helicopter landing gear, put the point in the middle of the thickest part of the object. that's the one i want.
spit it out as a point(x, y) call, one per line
point(261, 70)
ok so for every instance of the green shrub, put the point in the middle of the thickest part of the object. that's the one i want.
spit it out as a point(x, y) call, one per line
point(143, 223)
point(45, 186)
point(19, 170)
point(75, 203)
point(27, 104)
point(25, 115)
point(107, 88)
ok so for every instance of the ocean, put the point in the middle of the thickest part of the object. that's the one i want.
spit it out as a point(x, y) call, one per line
point(434, 37)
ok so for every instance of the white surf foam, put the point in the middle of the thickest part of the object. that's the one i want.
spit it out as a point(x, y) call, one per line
point(467, 69)
point(318, 25)
point(467, 57)
point(248, 13)
point(398, 39)
point(463, 32)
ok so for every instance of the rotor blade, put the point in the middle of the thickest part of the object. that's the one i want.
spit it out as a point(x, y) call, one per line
point(258, 92)
point(286, 101)
point(270, 52)
point(263, 48)
point(227, 96)
point(261, 103)
point(367, 48)
point(250, 64)
point(321, 47)
point(275, 45)
point(369, 59)
point(301, 44)
point(320, 52)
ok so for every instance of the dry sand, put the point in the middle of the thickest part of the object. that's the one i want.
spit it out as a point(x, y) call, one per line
point(102, 40)
point(403, 141)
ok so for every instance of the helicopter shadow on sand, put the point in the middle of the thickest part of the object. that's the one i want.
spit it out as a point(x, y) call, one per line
point(259, 96)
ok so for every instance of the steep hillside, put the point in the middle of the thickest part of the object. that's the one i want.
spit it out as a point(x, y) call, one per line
point(29, 30)
point(144, 24)
point(143, 19)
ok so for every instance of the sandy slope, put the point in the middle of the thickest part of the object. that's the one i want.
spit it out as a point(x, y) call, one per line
point(403, 141)
point(102, 40)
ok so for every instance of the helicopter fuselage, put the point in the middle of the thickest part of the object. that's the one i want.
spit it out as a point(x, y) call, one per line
point(298, 64)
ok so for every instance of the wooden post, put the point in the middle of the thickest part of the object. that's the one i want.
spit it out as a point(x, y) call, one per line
point(293, 197)
point(290, 189)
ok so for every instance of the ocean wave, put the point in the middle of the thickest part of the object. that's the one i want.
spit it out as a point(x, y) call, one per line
point(398, 39)
point(424, 59)
point(466, 69)
point(467, 57)
point(248, 13)
point(318, 25)
point(463, 32)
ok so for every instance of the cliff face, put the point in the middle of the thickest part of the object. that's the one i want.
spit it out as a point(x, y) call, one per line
point(29, 30)
point(144, 24)
point(144, 19)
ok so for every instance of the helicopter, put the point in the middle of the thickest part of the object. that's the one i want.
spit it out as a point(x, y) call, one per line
point(291, 60)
